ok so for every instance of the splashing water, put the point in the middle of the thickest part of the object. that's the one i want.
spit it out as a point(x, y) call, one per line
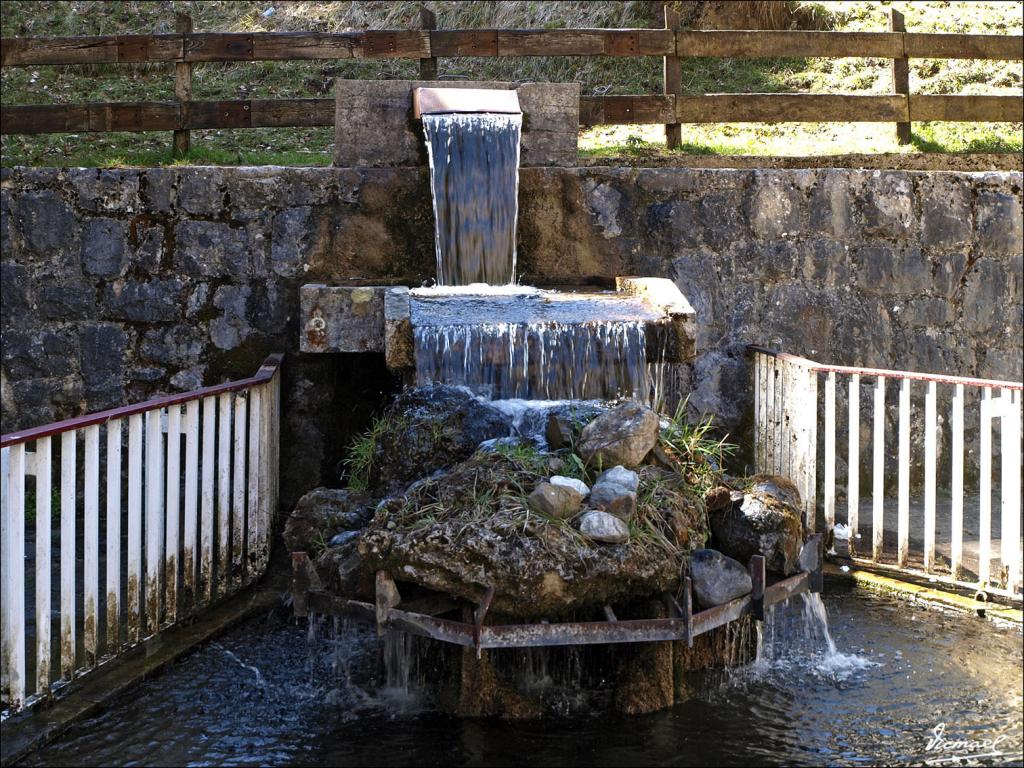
point(551, 361)
point(474, 177)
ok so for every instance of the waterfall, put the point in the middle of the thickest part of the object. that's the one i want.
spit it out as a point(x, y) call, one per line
point(474, 176)
point(595, 360)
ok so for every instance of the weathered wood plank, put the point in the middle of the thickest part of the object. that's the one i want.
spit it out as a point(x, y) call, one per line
point(273, 113)
point(29, 51)
point(786, 107)
point(134, 116)
point(62, 118)
point(953, 46)
point(583, 42)
point(217, 114)
point(900, 74)
point(967, 108)
point(380, 44)
point(143, 48)
point(270, 46)
point(755, 44)
point(218, 46)
point(464, 42)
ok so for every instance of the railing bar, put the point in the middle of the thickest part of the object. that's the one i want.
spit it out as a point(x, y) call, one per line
point(206, 525)
point(13, 574)
point(853, 464)
point(91, 543)
point(264, 475)
point(957, 485)
point(252, 554)
point(903, 509)
point(113, 535)
point(172, 509)
point(886, 373)
point(930, 427)
point(191, 490)
point(830, 453)
point(1009, 539)
point(985, 490)
point(810, 450)
point(68, 461)
point(223, 491)
point(154, 517)
point(263, 375)
point(878, 472)
point(134, 528)
point(238, 490)
point(44, 520)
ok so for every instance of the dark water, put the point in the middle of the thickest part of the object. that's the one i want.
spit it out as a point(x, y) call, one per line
point(474, 171)
point(251, 699)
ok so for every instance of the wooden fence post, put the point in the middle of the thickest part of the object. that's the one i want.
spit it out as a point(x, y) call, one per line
point(673, 78)
point(182, 86)
point(428, 67)
point(900, 75)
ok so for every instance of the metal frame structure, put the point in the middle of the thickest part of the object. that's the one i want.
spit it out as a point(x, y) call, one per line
point(422, 617)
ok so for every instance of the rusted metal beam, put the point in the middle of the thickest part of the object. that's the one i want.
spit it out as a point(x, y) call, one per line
point(609, 614)
point(478, 617)
point(757, 579)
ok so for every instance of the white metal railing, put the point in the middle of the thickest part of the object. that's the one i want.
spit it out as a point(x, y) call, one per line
point(185, 523)
point(787, 409)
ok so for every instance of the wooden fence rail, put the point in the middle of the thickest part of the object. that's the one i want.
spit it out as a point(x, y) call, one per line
point(428, 44)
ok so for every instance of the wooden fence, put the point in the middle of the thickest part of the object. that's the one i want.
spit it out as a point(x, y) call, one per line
point(427, 45)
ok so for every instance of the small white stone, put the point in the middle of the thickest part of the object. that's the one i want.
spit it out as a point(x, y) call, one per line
point(620, 476)
point(571, 482)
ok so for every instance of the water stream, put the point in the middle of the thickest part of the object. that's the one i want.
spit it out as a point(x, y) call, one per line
point(474, 177)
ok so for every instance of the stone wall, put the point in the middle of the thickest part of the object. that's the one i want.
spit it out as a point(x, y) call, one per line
point(118, 284)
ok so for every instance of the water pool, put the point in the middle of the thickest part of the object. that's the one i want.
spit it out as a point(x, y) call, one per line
point(902, 671)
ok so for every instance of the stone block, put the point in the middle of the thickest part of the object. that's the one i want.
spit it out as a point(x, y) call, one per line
point(999, 224)
point(200, 190)
point(232, 326)
point(103, 348)
point(106, 190)
point(103, 247)
point(66, 300)
point(292, 237)
point(341, 319)
point(775, 205)
point(374, 124)
point(153, 301)
point(944, 202)
point(887, 205)
point(45, 221)
point(830, 204)
point(213, 249)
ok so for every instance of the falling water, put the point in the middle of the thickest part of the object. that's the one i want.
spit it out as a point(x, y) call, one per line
point(474, 176)
point(598, 360)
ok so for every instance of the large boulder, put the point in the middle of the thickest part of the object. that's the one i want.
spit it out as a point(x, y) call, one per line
point(323, 513)
point(623, 436)
point(425, 429)
point(564, 422)
point(473, 528)
point(717, 579)
point(762, 521)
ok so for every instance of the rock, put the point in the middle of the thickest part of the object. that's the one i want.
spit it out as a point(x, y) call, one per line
point(776, 486)
point(571, 482)
point(470, 541)
point(340, 568)
point(808, 559)
point(623, 436)
point(321, 514)
point(565, 422)
point(343, 538)
point(619, 475)
point(760, 524)
point(558, 501)
point(717, 499)
point(614, 499)
point(603, 527)
point(716, 578)
point(426, 429)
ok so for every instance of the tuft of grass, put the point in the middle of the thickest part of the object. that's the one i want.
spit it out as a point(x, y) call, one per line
point(694, 447)
point(363, 450)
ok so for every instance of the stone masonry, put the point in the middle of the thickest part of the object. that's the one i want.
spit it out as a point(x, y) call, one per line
point(120, 284)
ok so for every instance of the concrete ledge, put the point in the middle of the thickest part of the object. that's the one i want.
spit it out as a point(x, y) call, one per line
point(928, 595)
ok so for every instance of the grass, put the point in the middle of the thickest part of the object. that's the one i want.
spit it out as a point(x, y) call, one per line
point(700, 456)
point(312, 146)
point(363, 449)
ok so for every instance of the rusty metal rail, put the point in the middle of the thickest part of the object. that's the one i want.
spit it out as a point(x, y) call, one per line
point(682, 624)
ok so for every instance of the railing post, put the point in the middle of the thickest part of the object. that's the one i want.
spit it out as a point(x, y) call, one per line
point(900, 75)
point(182, 86)
point(673, 80)
point(853, 465)
point(428, 67)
